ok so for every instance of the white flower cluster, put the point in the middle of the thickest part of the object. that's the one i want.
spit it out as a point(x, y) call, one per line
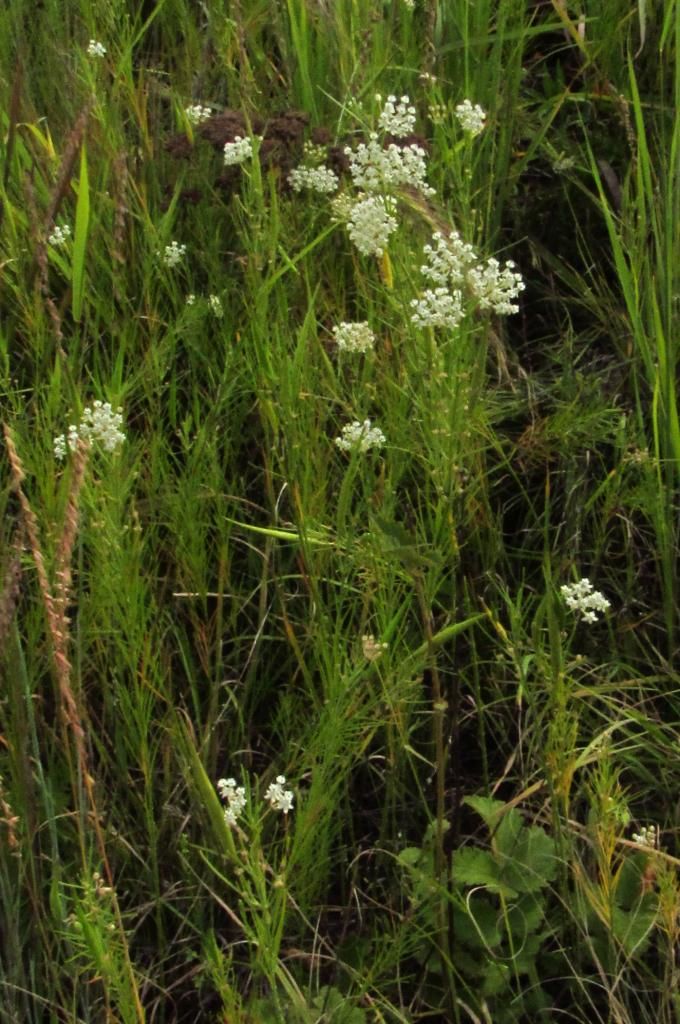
point(66, 442)
point(360, 435)
point(342, 206)
point(59, 235)
point(99, 425)
point(318, 179)
point(371, 222)
point(452, 265)
point(173, 254)
point(354, 337)
point(647, 836)
point(448, 259)
point(196, 114)
point(494, 286)
point(235, 798)
point(580, 597)
point(372, 649)
point(280, 799)
point(472, 118)
point(437, 307)
point(379, 169)
point(237, 151)
point(96, 49)
point(398, 118)
point(313, 152)
point(215, 304)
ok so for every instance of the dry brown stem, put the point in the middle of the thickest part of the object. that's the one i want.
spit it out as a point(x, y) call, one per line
point(12, 585)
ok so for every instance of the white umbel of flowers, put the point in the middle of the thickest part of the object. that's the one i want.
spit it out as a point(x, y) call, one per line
point(580, 597)
point(448, 259)
point(237, 151)
point(354, 337)
point(280, 799)
point(437, 307)
point(196, 114)
point(100, 425)
point(216, 307)
point(456, 270)
point(371, 222)
point(235, 798)
point(376, 168)
point(318, 179)
point(495, 286)
point(398, 117)
point(173, 254)
point(471, 117)
point(66, 442)
point(96, 49)
point(647, 836)
point(59, 235)
point(361, 436)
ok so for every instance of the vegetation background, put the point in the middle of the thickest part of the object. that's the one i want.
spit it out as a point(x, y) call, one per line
point(466, 838)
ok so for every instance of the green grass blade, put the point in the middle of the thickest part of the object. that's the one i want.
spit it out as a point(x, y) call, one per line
point(80, 237)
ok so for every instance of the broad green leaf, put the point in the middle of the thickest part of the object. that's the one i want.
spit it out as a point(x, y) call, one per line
point(478, 867)
point(487, 808)
point(478, 924)
point(633, 927)
point(410, 856)
point(532, 864)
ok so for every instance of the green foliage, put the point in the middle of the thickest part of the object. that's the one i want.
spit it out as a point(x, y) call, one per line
point(232, 595)
point(499, 908)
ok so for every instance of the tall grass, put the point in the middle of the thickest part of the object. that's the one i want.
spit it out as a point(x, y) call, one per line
point(231, 595)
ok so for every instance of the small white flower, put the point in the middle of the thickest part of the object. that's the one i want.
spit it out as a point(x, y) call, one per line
point(280, 799)
point(472, 118)
point(191, 299)
point(354, 337)
point(371, 222)
point(371, 648)
point(342, 206)
point(196, 114)
point(580, 597)
point(59, 235)
point(318, 179)
point(437, 112)
point(173, 254)
point(448, 259)
point(235, 798)
point(237, 151)
point(647, 836)
point(398, 117)
point(380, 169)
point(494, 286)
point(314, 153)
point(216, 306)
point(361, 436)
point(101, 424)
point(452, 263)
point(96, 49)
point(437, 307)
point(60, 447)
